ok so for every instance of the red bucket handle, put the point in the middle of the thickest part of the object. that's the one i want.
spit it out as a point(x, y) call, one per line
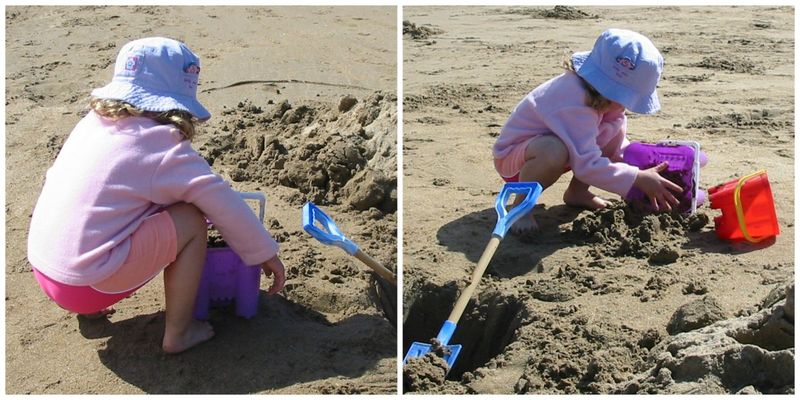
point(737, 202)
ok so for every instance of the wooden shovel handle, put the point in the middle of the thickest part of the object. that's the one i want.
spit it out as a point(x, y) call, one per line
point(376, 266)
point(462, 301)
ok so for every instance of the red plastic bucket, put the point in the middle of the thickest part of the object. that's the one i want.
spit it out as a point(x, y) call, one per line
point(748, 209)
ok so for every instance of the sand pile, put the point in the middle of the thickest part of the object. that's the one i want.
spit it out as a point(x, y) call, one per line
point(340, 155)
point(419, 32)
point(557, 12)
point(624, 231)
point(560, 351)
point(424, 373)
point(333, 154)
point(747, 355)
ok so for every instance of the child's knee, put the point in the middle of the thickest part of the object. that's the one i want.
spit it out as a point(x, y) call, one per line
point(547, 152)
point(188, 217)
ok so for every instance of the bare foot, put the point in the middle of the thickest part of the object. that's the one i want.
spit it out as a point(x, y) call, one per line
point(584, 199)
point(104, 313)
point(197, 332)
point(525, 226)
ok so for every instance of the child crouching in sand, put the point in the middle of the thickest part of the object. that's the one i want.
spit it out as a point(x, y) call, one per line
point(577, 121)
point(128, 197)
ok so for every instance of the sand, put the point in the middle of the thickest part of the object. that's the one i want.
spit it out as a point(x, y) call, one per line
point(610, 301)
point(304, 108)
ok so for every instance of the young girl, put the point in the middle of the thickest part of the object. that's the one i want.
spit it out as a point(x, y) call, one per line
point(577, 120)
point(128, 197)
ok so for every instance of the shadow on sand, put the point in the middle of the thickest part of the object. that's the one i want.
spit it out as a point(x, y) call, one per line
point(517, 255)
point(284, 344)
point(521, 255)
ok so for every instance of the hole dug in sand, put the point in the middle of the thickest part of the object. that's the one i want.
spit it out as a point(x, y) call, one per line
point(484, 331)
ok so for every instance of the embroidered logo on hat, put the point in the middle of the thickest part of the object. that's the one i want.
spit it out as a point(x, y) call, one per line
point(133, 63)
point(626, 62)
point(192, 68)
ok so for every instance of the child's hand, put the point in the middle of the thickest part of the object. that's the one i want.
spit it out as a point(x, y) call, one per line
point(657, 188)
point(274, 266)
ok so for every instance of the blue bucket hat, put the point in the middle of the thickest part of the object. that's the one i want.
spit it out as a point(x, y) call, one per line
point(156, 74)
point(624, 66)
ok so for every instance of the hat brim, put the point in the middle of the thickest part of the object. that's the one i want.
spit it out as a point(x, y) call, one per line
point(149, 100)
point(579, 58)
point(612, 90)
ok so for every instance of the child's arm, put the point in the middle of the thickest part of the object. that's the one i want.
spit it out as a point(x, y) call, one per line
point(185, 176)
point(577, 127)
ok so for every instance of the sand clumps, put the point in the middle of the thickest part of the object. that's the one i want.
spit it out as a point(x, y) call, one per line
point(557, 12)
point(751, 354)
point(625, 231)
point(570, 354)
point(730, 65)
point(424, 373)
point(696, 314)
point(341, 153)
point(413, 31)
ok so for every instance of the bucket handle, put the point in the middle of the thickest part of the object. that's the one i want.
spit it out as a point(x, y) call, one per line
point(737, 202)
point(260, 197)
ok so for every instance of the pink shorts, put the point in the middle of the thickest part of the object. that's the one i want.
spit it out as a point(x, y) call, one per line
point(509, 166)
point(154, 245)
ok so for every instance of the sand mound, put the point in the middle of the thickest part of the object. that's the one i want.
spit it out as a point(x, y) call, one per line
point(753, 119)
point(424, 373)
point(729, 65)
point(696, 314)
point(333, 154)
point(419, 32)
point(624, 231)
point(753, 354)
point(557, 12)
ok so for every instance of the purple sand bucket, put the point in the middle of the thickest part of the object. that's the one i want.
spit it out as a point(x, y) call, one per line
point(228, 280)
point(684, 160)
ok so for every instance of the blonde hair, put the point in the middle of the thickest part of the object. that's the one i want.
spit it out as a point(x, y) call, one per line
point(595, 99)
point(118, 109)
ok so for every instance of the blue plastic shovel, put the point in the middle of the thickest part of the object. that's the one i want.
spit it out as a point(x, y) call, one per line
point(328, 233)
point(531, 191)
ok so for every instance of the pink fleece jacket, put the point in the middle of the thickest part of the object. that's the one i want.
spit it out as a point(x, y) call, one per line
point(107, 178)
point(558, 107)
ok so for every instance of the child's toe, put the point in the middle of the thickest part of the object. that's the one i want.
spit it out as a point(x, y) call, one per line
point(525, 226)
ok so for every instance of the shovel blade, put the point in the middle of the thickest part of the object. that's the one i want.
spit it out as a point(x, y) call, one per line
point(419, 349)
point(328, 234)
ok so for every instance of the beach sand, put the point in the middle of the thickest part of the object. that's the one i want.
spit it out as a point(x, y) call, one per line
point(279, 82)
point(587, 305)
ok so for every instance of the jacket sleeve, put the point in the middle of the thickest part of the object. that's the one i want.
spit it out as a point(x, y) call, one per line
point(184, 176)
point(577, 127)
point(613, 130)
